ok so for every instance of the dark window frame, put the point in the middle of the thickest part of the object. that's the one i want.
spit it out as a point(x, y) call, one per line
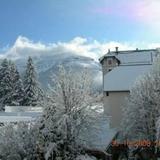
point(107, 94)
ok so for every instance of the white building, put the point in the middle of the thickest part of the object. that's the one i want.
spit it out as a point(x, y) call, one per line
point(120, 71)
point(15, 114)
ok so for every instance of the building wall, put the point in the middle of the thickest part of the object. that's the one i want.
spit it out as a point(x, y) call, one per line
point(113, 103)
point(107, 66)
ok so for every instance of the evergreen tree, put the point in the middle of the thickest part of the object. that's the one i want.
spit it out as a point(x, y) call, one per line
point(32, 89)
point(5, 83)
point(11, 86)
point(17, 94)
point(3, 68)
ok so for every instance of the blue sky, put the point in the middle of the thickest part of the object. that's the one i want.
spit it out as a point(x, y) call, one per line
point(53, 21)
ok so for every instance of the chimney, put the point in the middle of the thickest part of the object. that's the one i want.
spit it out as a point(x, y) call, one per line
point(117, 50)
point(109, 51)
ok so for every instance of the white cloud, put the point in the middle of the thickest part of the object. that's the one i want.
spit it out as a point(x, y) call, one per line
point(23, 47)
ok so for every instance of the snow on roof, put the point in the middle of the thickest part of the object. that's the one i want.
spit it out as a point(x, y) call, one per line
point(142, 57)
point(20, 114)
point(133, 56)
point(23, 109)
point(8, 119)
point(28, 114)
point(122, 78)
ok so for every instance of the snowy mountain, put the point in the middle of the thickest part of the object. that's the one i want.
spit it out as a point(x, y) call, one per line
point(47, 66)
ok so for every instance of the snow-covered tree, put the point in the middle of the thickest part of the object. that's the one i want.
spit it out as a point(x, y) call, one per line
point(11, 87)
point(16, 96)
point(143, 107)
point(32, 88)
point(68, 113)
point(18, 142)
point(5, 82)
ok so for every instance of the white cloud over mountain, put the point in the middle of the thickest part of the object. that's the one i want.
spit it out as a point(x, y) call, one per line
point(24, 47)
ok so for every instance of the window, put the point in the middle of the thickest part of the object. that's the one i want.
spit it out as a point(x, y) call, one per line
point(107, 94)
point(109, 61)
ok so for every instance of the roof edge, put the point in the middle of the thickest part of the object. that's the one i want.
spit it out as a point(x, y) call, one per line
point(117, 91)
point(124, 52)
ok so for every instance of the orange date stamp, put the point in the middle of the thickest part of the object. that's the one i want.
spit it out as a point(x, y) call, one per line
point(141, 143)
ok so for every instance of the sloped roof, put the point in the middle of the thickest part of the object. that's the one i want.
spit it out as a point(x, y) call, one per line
point(8, 119)
point(23, 109)
point(133, 56)
point(20, 114)
point(122, 78)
